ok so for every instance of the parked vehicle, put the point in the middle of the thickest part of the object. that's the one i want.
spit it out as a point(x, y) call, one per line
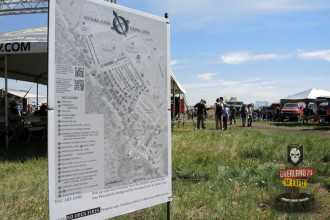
point(323, 109)
point(265, 111)
point(292, 111)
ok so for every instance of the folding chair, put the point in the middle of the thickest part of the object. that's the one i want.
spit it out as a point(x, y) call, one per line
point(11, 129)
point(36, 127)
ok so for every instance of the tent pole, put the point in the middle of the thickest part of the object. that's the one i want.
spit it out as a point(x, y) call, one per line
point(318, 110)
point(6, 102)
point(37, 96)
point(179, 108)
point(173, 106)
point(184, 110)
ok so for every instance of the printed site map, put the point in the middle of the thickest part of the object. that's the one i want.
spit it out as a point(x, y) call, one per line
point(119, 65)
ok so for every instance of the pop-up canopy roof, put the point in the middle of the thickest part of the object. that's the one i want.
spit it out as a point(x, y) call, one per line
point(175, 86)
point(307, 96)
point(26, 54)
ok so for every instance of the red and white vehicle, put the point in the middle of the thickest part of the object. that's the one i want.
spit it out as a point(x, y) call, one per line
point(292, 111)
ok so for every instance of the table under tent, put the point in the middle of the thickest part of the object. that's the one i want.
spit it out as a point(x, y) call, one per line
point(23, 56)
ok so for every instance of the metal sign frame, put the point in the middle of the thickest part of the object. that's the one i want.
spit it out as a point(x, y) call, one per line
point(16, 7)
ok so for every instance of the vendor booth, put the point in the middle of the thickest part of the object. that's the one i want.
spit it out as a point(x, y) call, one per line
point(313, 95)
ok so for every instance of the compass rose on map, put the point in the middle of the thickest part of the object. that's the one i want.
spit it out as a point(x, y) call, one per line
point(120, 24)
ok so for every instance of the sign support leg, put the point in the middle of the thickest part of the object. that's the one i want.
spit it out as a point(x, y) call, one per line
point(6, 102)
point(168, 210)
point(294, 192)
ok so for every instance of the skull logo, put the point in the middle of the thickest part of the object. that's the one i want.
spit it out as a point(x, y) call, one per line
point(295, 154)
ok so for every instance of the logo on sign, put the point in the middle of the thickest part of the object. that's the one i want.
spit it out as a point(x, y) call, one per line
point(295, 155)
point(120, 24)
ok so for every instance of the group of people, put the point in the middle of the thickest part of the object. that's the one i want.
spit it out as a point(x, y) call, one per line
point(15, 115)
point(222, 114)
point(16, 108)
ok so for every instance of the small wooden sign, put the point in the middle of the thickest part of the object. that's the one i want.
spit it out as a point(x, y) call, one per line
point(295, 182)
point(296, 173)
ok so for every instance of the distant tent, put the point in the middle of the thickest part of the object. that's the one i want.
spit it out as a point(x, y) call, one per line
point(307, 96)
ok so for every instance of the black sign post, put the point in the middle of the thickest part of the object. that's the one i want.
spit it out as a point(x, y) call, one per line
point(295, 155)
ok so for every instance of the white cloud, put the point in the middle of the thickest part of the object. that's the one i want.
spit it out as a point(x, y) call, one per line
point(195, 14)
point(175, 62)
point(243, 56)
point(205, 76)
point(316, 55)
point(250, 90)
point(281, 5)
point(246, 6)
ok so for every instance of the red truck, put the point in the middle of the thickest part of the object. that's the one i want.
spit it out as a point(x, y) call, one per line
point(292, 111)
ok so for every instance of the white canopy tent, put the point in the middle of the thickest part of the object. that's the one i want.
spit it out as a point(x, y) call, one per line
point(23, 56)
point(26, 54)
point(316, 96)
point(177, 91)
point(307, 96)
point(176, 88)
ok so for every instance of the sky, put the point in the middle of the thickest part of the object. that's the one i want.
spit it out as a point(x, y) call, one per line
point(254, 50)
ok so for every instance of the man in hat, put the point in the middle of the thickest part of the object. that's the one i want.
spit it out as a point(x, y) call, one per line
point(200, 108)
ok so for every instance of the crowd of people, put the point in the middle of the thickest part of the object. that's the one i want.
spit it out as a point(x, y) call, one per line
point(16, 109)
point(15, 113)
point(223, 114)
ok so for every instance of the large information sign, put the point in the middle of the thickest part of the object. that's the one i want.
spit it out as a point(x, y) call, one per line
point(109, 134)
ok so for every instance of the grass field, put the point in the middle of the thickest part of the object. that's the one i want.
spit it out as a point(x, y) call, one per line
point(229, 174)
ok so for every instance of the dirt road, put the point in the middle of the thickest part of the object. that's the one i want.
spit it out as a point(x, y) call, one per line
point(280, 128)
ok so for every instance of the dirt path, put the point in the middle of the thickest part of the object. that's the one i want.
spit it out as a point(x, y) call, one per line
point(295, 130)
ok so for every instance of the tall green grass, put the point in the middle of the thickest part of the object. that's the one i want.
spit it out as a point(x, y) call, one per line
point(23, 182)
point(233, 174)
point(229, 174)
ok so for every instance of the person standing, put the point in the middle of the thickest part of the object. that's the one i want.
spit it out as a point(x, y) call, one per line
point(249, 112)
point(19, 109)
point(200, 108)
point(205, 110)
point(243, 114)
point(225, 116)
point(232, 114)
point(217, 113)
point(30, 109)
point(221, 118)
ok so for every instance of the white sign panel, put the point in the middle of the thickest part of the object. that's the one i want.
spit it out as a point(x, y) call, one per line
point(109, 134)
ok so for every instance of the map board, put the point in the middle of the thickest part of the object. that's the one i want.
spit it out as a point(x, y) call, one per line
point(108, 128)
